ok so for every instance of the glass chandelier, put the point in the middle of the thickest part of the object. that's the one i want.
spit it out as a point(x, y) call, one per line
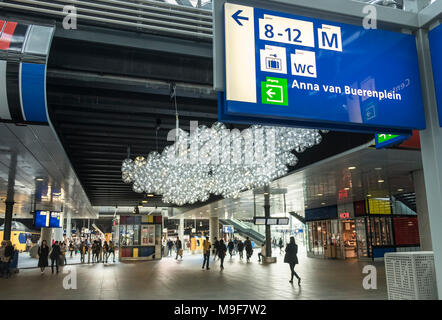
point(217, 161)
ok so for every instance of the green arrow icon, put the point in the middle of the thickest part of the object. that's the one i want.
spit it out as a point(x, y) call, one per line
point(274, 91)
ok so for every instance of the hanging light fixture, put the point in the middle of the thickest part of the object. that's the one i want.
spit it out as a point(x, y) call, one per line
point(217, 161)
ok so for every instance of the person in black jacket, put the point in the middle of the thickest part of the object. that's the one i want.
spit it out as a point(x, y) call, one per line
point(55, 255)
point(179, 248)
point(240, 249)
point(231, 247)
point(291, 258)
point(249, 249)
point(43, 254)
point(215, 248)
point(9, 255)
point(222, 252)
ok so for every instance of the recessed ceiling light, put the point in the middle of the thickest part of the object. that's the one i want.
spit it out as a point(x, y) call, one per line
point(380, 181)
point(323, 203)
point(266, 193)
point(319, 194)
point(150, 195)
point(378, 168)
point(368, 195)
point(39, 179)
point(346, 188)
point(400, 190)
point(351, 168)
point(144, 201)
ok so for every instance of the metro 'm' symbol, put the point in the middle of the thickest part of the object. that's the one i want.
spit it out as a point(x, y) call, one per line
point(6, 32)
point(329, 37)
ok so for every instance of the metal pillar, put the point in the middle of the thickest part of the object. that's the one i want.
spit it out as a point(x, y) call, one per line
point(9, 202)
point(431, 151)
point(267, 215)
point(422, 211)
point(213, 229)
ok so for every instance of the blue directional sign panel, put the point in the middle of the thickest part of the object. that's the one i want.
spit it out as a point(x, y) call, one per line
point(291, 70)
point(435, 37)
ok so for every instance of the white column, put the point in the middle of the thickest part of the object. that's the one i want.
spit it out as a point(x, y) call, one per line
point(181, 231)
point(46, 234)
point(422, 211)
point(213, 229)
point(68, 223)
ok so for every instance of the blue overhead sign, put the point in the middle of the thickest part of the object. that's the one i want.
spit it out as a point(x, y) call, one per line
point(435, 37)
point(292, 70)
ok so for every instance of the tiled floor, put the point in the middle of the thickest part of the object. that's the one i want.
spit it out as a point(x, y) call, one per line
point(171, 279)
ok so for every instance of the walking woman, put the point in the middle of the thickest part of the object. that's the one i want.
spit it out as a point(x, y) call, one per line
point(291, 258)
point(222, 249)
point(43, 254)
point(55, 256)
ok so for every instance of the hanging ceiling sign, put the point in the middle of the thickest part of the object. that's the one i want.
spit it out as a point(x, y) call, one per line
point(435, 37)
point(387, 140)
point(292, 70)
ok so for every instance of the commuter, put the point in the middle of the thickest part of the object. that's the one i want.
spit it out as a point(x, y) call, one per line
point(105, 251)
point(97, 250)
point(2, 259)
point(43, 254)
point(63, 253)
point(111, 250)
point(82, 251)
point(71, 248)
point(281, 245)
point(55, 255)
point(28, 244)
point(291, 258)
point(93, 249)
point(231, 245)
point(222, 249)
point(179, 248)
point(249, 249)
point(206, 253)
point(215, 248)
point(240, 249)
point(263, 252)
point(170, 247)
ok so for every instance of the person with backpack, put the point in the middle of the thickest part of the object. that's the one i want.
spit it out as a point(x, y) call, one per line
point(55, 255)
point(222, 249)
point(43, 255)
point(179, 248)
point(231, 246)
point(206, 253)
point(83, 250)
point(291, 252)
point(240, 249)
point(215, 248)
point(71, 248)
point(249, 248)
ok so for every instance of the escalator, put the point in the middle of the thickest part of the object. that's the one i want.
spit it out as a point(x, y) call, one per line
point(297, 216)
point(244, 230)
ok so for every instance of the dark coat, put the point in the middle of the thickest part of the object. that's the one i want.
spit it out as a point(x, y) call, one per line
point(9, 252)
point(55, 251)
point(231, 245)
point(178, 244)
point(248, 246)
point(222, 250)
point(291, 253)
point(43, 254)
point(240, 246)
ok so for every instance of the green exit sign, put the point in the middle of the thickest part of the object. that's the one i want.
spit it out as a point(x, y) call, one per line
point(385, 140)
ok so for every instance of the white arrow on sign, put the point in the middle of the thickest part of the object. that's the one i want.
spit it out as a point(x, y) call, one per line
point(270, 93)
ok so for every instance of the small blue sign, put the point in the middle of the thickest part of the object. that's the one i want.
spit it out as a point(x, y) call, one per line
point(283, 69)
point(435, 38)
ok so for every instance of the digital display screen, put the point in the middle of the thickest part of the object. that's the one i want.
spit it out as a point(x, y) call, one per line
point(41, 219)
point(55, 220)
point(260, 221)
point(272, 221)
point(283, 221)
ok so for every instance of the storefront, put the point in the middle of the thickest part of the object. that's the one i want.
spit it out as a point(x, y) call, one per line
point(365, 230)
point(140, 237)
